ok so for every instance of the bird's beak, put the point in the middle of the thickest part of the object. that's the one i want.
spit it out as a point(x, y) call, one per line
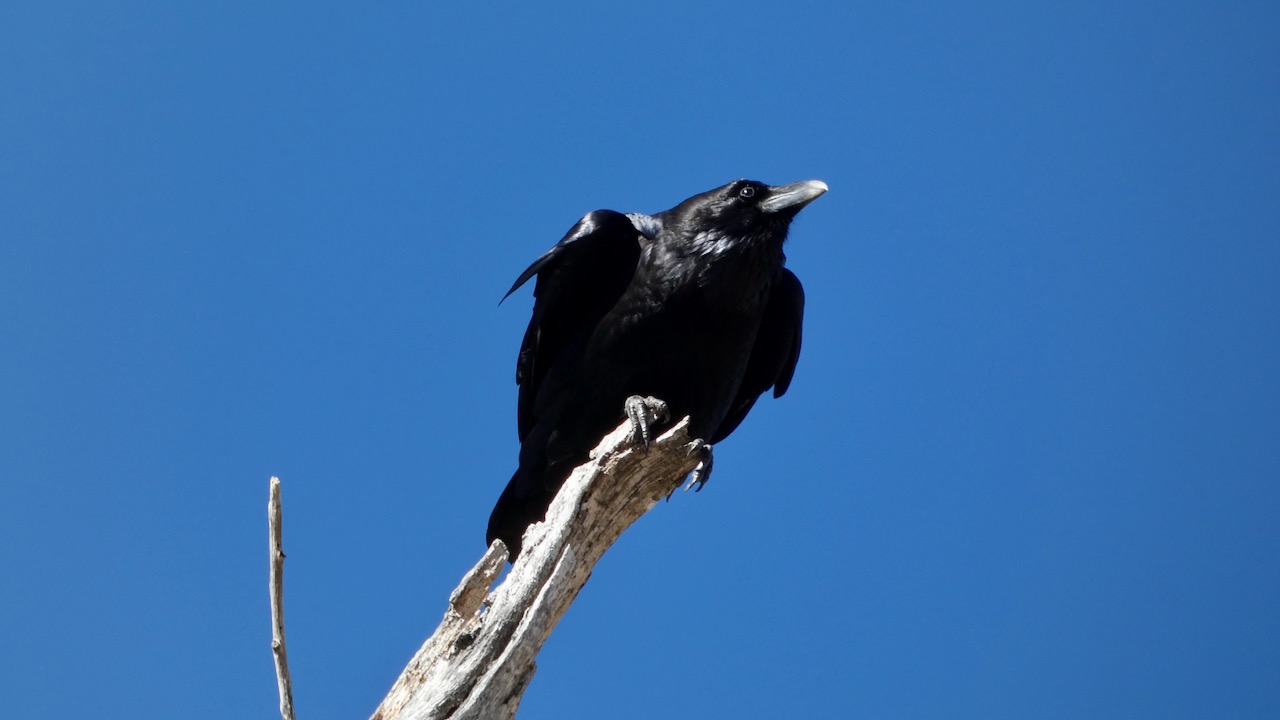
point(793, 197)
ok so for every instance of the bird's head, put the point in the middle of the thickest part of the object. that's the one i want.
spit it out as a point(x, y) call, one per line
point(742, 212)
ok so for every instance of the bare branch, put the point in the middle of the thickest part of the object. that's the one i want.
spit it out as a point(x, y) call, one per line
point(275, 586)
point(481, 658)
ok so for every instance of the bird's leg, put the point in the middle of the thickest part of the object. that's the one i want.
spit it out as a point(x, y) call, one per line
point(702, 473)
point(643, 412)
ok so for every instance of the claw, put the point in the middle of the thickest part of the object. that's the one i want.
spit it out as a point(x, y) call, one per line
point(643, 412)
point(702, 473)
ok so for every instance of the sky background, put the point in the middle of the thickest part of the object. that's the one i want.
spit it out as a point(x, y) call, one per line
point(1029, 466)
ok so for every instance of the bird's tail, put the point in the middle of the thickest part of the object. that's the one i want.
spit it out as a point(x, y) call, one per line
point(522, 503)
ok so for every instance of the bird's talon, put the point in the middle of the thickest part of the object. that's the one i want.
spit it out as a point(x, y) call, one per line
point(644, 412)
point(702, 473)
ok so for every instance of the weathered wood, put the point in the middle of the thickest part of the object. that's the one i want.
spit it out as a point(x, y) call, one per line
point(481, 658)
point(275, 588)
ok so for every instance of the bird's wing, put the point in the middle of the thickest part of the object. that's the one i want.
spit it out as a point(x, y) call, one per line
point(775, 353)
point(579, 280)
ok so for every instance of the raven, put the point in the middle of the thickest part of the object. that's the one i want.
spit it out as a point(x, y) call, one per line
point(691, 306)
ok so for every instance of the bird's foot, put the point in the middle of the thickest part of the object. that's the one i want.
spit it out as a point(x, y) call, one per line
point(644, 412)
point(702, 473)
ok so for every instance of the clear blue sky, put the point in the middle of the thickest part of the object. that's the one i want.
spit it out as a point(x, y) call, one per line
point(1029, 466)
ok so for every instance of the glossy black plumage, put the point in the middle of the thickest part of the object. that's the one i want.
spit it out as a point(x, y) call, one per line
point(691, 305)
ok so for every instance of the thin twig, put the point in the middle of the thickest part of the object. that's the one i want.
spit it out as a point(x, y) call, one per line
point(275, 520)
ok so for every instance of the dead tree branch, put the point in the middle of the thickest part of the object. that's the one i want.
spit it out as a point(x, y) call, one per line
point(481, 658)
point(275, 587)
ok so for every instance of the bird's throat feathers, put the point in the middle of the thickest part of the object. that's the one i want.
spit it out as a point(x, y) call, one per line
point(712, 244)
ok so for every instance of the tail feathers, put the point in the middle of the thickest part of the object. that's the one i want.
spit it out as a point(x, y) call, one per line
point(524, 502)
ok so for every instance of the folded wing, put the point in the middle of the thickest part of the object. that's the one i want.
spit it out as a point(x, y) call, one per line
point(579, 280)
point(774, 354)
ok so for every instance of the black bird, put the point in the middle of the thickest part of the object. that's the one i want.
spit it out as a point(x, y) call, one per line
point(691, 306)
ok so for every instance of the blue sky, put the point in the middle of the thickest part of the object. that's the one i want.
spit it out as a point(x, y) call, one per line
point(1029, 465)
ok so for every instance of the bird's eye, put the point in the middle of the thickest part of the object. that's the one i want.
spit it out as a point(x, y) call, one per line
point(747, 192)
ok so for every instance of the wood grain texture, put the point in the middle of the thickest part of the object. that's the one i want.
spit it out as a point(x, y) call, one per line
point(480, 659)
